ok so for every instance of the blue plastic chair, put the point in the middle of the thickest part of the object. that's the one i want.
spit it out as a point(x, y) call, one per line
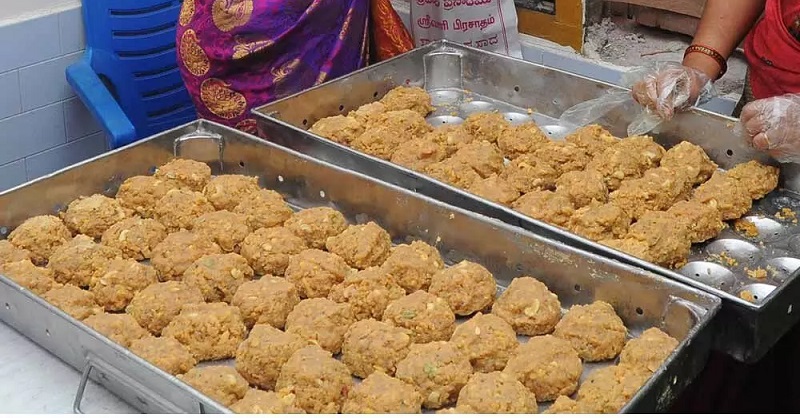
point(128, 77)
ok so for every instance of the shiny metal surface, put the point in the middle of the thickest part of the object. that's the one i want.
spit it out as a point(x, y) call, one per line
point(462, 81)
point(643, 299)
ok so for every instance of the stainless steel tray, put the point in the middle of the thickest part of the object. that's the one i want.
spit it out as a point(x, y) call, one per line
point(643, 299)
point(463, 80)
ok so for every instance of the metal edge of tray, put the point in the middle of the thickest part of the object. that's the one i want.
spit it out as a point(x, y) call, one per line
point(749, 330)
point(27, 312)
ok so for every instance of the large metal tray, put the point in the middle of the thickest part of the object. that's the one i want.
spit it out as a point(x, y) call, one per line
point(463, 80)
point(643, 299)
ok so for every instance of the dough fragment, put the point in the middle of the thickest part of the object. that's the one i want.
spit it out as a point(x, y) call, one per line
point(594, 331)
point(211, 331)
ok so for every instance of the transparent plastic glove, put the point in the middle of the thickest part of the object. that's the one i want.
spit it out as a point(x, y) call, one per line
point(774, 126)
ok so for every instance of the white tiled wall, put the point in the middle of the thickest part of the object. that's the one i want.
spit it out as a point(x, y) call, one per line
point(43, 126)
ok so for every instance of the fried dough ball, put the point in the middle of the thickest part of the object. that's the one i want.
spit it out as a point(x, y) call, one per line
point(583, 187)
point(264, 209)
point(563, 156)
point(77, 261)
point(93, 215)
point(486, 126)
point(218, 276)
point(658, 189)
point(691, 159)
point(495, 189)
point(316, 225)
point(617, 163)
point(262, 355)
point(156, 305)
point(40, 235)
point(648, 351)
point(551, 207)
point(593, 139)
point(141, 193)
point(191, 174)
point(379, 141)
point(453, 172)
point(368, 292)
point(115, 285)
point(211, 331)
point(38, 280)
point(467, 287)
point(74, 301)
point(485, 158)
point(608, 389)
point(667, 237)
point(487, 340)
point(703, 221)
point(319, 382)
point(322, 321)
point(172, 256)
point(267, 300)
point(120, 328)
point(368, 113)
point(226, 191)
point(413, 265)
point(361, 246)
point(644, 146)
point(527, 173)
point(268, 250)
point(412, 98)
point(565, 405)
point(227, 229)
point(383, 394)
point(497, 393)
point(594, 331)
point(341, 129)
point(428, 317)
point(418, 154)
point(9, 253)
point(314, 272)
point(371, 346)
point(135, 237)
point(438, 370)
point(529, 307)
point(179, 208)
point(631, 246)
point(166, 353)
point(220, 383)
point(260, 402)
point(522, 139)
point(452, 137)
point(758, 179)
point(600, 222)
point(547, 366)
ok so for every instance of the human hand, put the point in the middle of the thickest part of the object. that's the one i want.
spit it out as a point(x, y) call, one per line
point(774, 126)
point(670, 88)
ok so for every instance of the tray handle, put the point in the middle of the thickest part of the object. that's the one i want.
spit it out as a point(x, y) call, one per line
point(201, 133)
point(144, 395)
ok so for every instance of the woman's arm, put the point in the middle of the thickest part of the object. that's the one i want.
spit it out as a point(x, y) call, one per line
point(723, 26)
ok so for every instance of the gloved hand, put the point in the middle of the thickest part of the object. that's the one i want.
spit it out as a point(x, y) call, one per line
point(670, 88)
point(774, 126)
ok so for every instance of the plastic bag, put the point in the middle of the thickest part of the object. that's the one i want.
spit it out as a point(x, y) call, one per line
point(490, 25)
point(673, 94)
point(772, 125)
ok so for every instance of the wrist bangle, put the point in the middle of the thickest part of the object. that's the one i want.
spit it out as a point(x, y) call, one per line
point(710, 52)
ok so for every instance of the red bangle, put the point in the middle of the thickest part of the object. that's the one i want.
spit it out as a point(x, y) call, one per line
point(716, 56)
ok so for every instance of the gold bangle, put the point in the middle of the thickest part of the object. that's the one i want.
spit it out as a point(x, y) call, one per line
point(716, 56)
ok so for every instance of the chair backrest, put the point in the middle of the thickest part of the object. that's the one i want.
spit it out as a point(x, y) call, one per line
point(131, 46)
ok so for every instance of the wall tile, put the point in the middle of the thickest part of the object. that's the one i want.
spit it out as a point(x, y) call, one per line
point(65, 155)
point(70, 25)
point(12, 174)
point(45, 82)
point(79, 122)
point(9, 94)
point(31, 132)
point(19, 48)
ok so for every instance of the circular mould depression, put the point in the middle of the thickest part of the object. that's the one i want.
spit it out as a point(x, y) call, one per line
point(443, 97)
point(768, 229)
point(780, 268)
point(756, 292)
point(741, 251)
point(444, 120)
point(476, 106)
point(712, 274)
point(555, 131)
point(516, 118)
